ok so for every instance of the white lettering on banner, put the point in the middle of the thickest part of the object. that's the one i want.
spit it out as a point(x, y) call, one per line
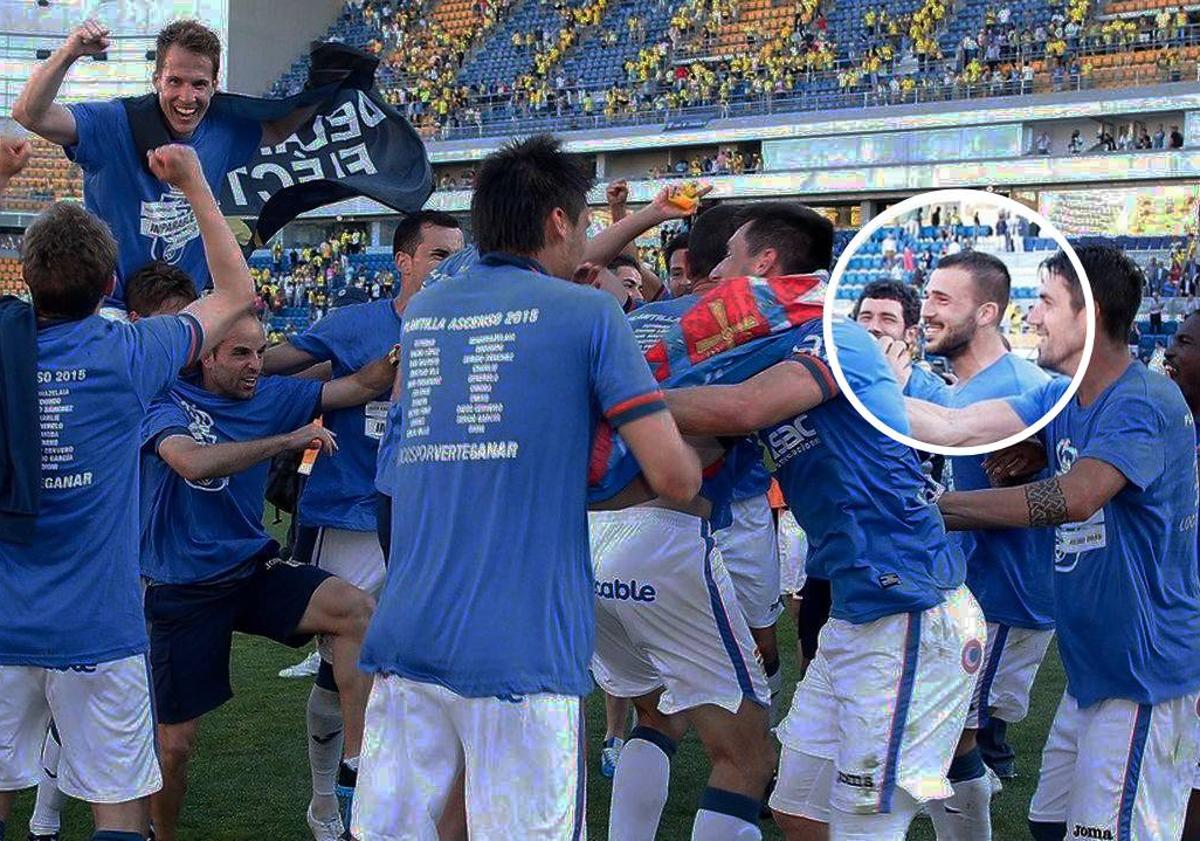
point(295, 161)
point(55, 406)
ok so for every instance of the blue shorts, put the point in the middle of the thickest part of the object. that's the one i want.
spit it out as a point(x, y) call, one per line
point(192, 625)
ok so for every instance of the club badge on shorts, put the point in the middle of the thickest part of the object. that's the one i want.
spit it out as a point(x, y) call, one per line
point(972, 656)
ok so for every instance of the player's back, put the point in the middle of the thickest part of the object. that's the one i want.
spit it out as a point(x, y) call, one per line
point(862, 499)
point(77, 582)
point(506, 372)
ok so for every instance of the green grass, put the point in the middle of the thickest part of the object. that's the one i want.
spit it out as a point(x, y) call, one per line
point(250, 781)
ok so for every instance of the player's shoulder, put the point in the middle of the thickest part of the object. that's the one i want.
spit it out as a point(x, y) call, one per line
point(1025, 372)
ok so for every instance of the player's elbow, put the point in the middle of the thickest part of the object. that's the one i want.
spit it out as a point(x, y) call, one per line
point(677, 482)
point(189, 468)
point(20, 113)
point(1082, 507)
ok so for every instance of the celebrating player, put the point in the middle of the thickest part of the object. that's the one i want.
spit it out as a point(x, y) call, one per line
point(873, 726)
point(1007, 571)
point(506, 370)
point(149, 221)
point(1123, 499)
point(77, 649)
point(211, 566)
point(338, 509)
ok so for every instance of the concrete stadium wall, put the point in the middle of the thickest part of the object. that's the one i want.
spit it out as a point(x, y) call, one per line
point(266, 36)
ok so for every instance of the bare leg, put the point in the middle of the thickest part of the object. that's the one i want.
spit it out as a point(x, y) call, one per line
point(176, 745)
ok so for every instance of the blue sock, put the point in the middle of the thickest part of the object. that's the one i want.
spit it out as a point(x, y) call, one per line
point(117, 835)
point(1047, 831)
point(969, 766)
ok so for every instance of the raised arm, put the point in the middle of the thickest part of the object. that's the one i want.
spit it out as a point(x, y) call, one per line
point(603, 248)
point(233, 290)
point(14, 154)
point(1071, 498)
point(285, 358)
point(35, 108)
point(784, 390)
point(981, 423)
point(196, 462)
point(364, 385)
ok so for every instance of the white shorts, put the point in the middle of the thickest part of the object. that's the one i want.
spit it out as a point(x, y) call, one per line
point(667, 615)
point(105, 721)
point(1118, 769)
point(353, 556)
point(793, 550)
point(1009, 667)
point(524, 762)
point(751, 554)
point(886, 701)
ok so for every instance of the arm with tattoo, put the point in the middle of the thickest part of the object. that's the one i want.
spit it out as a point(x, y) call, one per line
point(1047, 503)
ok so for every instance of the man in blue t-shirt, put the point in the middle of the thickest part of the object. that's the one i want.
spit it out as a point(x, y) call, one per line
point(965, 301)
point(149, 219)
point(211, 567)
point(507, 370)
point(338, 507)
point(880, 711)
point(77, 646)
point(1123, 500)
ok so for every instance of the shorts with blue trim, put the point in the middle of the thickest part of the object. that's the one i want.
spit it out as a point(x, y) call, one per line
point(1010, 666)
point(192, 625)
point(667, 615)
point(886, 702)
point(1118, 769)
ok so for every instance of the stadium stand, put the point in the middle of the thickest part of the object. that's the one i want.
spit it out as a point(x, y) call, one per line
point(10, 277)
point(48, 177)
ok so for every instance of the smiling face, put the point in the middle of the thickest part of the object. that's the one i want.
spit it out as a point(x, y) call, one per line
point(185, 85)
point(949, 312)
point(233, 368)
point(1060, 327)
point(885, 317)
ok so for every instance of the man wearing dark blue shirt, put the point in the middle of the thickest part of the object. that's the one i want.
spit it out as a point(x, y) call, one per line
point(77, 647)
point(149, 219)
point(507, 370)
point(1123, 500)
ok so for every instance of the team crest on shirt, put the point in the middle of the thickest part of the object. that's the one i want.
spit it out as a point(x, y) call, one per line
point(1067, 455)
point(170, 224)
point(200, 425)
point(972, 656)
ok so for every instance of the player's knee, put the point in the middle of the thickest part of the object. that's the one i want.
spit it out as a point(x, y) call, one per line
point(794, 827)
point(353, 611)
point(966, 743)
point(176, 744)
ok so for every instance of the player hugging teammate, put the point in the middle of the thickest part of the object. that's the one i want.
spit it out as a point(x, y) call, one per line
point(154, 436)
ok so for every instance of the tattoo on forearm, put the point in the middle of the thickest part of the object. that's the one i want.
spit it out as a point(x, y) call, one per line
point(1047, 504)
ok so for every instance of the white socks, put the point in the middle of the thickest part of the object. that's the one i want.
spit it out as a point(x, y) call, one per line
point(714, 826)
point(967, 814)
point(324, 719)
point(640, 786)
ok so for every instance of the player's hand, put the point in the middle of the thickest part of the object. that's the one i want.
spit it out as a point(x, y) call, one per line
point(899, 358)
point(313, 435)
point(668, 203)
point(14, 154)
point(176, 164)
point(1016, 464)
point(89, 39)
point(379, 374)
point(617, 195)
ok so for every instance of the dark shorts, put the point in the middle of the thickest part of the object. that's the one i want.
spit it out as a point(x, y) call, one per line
point(192, 625)
point(816, 600)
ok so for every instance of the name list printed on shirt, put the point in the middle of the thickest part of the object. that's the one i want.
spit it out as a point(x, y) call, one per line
point(54, 408)
point(483, 362)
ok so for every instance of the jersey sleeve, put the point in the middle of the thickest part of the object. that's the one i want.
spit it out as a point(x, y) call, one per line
point(869, 375)
point(925, 385)
point(1128, 434)
point(164, 418)
point(1031, 404)
point(96, 123)
point(295, 402)
point(163, 345)
point(621, 379)
point(321, 340)
point(810, 352)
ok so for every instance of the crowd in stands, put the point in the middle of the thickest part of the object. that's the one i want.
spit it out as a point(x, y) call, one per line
point(47, 177)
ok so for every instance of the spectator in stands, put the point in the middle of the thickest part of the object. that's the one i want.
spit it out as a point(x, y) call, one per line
point(1075, 145)
point(1043, 143)
point(98, 137)
point(1156, 313)
point(1176, 138)
point(1160, 138)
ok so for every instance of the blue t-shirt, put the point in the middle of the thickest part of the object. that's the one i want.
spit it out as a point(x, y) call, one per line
point(212, 529)
point(1006, 568)
point(1126, 584)
point(341, 492)
point(152, 220)
point(72, 596)
point(385, 459)
point(868, 510)
point(506, 374)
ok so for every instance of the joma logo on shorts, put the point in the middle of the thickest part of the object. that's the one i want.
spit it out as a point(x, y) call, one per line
point(618, 590)
point(856, 780)
point(1101, 833)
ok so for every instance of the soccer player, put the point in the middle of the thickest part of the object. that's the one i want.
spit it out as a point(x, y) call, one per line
point(155, 289)
point(629, 272)
point(1182, 365)
point(338, 508)
point(873, 726)
point(211, 566)
point(676, 255)
point(506, 371)
point(1007, 570)
point(149, 220)
point(77, 647)
point(1123, 501)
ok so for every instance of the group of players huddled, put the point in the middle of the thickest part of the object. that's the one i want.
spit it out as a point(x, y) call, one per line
point(464, 599)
